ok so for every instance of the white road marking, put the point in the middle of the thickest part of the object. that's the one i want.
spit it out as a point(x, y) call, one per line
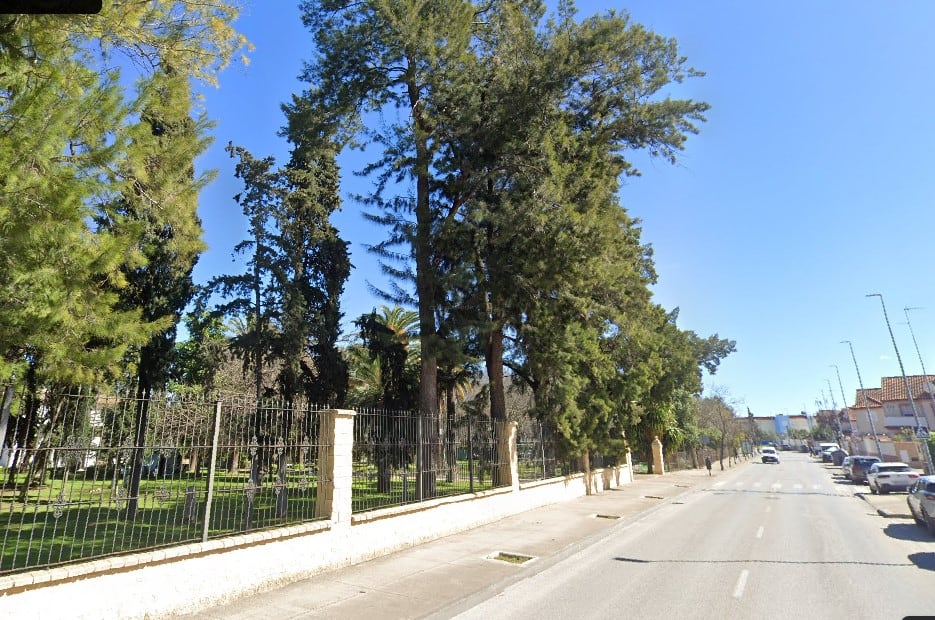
point(796, 486)
point(759, 532)
point(815, 487)
point(741, 583)
point(756, 485)
point(776, 486)
point(718, 484)
point(738, 484)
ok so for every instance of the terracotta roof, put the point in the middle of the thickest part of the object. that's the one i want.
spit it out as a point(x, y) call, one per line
point(874, 396)
point(894, 388)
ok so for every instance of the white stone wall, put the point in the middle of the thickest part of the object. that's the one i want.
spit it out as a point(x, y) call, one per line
point(192, 577)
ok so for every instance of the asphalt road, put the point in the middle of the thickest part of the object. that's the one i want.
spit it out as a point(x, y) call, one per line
point(786, 540)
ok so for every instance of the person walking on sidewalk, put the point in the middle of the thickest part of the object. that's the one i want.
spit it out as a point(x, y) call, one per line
point(707, 463)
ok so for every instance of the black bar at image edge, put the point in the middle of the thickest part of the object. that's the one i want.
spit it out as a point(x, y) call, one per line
point(50, 7)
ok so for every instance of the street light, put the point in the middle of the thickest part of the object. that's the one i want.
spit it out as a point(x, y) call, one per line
point(843, 399)
point(923, 449)
point(919, 353)
point(860, 382)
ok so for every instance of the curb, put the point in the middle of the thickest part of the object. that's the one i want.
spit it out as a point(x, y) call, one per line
point(884, 512)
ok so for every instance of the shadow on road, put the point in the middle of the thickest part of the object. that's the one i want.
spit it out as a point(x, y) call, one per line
point(812, 562)
point(907, 531)
point(925, 561)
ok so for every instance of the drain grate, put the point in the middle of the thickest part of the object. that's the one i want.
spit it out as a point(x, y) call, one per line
point(512, 558)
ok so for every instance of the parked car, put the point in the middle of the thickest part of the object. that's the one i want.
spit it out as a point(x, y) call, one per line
point(769, 454)
point(858, 467)
point(846, 467)
point(886, 477)
point(825, 451)
point(921, 500)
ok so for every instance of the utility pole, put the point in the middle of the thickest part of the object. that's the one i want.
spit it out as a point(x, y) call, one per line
point(923, 448)
point(844, 400)
point(860, 382)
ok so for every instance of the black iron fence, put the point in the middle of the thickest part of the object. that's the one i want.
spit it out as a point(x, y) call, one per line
point(87, 474)
point(401, 458)
point(538, 453)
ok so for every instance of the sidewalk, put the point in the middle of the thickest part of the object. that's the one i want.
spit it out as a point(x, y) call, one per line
point(428, 578)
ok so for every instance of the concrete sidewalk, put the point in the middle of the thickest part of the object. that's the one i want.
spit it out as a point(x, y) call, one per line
point(428, 578)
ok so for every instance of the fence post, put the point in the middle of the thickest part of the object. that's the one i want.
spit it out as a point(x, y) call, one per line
point(212, 468)
point(507, 458)
point(335, 466)
point(470, 455)
point(542, 449)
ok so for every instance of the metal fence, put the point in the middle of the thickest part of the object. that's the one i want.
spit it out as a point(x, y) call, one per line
point(401, 458)
point(86, 474)
point(538, 453)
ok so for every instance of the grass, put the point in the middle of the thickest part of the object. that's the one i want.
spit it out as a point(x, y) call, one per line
point(80, 519)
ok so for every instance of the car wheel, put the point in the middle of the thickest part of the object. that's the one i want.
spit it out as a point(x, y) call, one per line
point(929, 523)
point(919, 520)
point(873, 490)
point(883, 490)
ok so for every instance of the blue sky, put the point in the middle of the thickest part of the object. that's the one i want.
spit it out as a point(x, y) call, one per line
point(809, 186)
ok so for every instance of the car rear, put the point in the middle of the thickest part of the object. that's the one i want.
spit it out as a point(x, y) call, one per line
point(894, 477)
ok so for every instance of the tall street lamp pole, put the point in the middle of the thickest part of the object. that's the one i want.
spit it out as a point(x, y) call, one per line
point(919, 353)
point(923, 449)
point(837, 417)
point(843, 399)
point(860, 382)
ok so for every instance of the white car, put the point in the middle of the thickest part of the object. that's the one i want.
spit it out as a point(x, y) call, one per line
point(921, 500)
point(885, 477)
point(769, 454)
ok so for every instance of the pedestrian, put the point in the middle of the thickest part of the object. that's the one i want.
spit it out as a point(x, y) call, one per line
point(707, 463)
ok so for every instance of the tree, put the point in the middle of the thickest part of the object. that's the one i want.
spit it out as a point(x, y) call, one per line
point(160, 201)
point(719, 422)
point(64, 117)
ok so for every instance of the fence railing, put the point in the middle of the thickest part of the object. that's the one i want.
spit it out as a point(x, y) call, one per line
point(88, 474)
point(402, 458)
point(538, 454)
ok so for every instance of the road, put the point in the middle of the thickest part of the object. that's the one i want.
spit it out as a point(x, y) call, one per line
point(767, 541)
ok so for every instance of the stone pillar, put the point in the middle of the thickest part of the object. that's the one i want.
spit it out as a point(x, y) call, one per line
point(630, 464)
point(507, 456)
point(335, 465)
point(659, 465)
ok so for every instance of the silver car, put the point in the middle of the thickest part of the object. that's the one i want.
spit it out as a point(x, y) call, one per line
point(885, 477)
point(921, 500)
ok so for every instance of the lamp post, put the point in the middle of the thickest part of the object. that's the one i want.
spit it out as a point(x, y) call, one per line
point(844, 400)
point(860, 382)
point(912, 404)
point(837, 414)
point(919, 353)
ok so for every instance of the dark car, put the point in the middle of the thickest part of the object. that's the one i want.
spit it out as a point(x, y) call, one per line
point(859, 466)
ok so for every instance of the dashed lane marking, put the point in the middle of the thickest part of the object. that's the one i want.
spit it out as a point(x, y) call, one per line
point(741, 583)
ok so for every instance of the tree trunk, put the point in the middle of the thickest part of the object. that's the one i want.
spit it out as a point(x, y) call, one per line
point(425, 291)
point(139, 446)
